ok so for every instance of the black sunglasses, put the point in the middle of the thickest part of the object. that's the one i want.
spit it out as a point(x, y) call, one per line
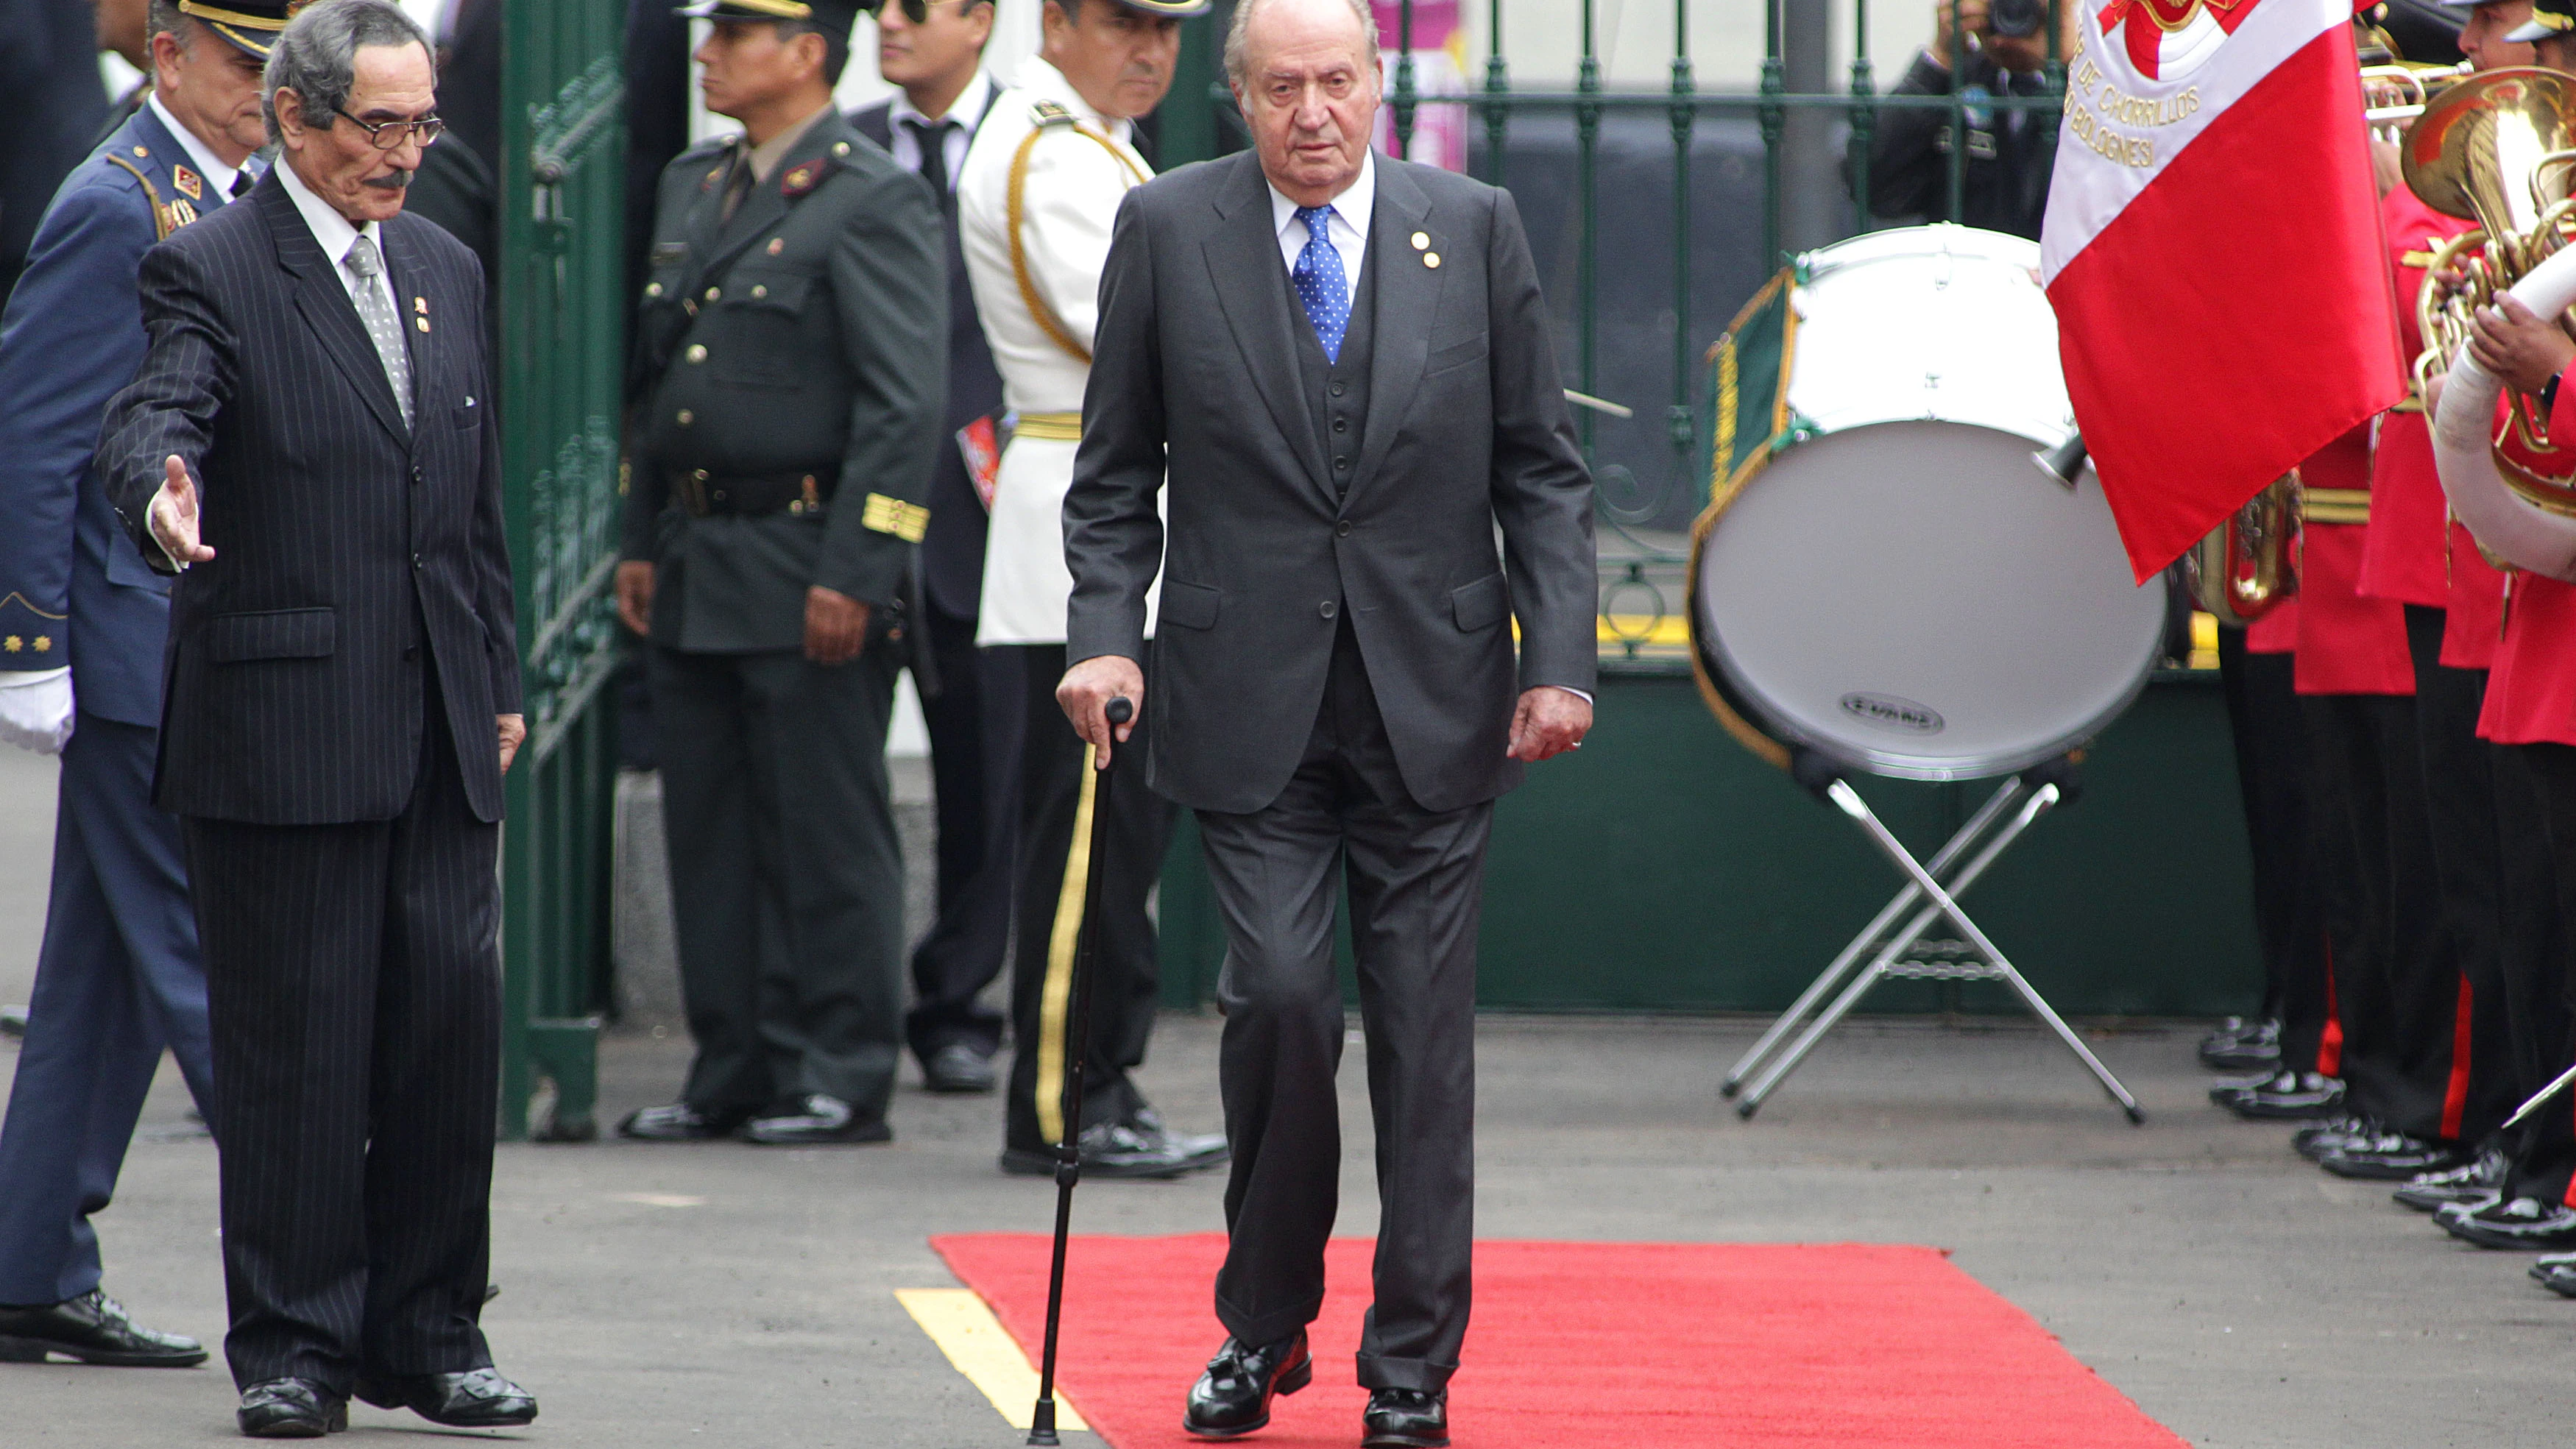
point(386, 135)
point(916, 11)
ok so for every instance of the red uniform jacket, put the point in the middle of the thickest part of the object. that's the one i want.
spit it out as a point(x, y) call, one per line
point(2402, 553)
point(2531, 687)
point(2347, 644)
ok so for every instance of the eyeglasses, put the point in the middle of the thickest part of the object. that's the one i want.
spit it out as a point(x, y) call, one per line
point(916, 11)
point(386, 135)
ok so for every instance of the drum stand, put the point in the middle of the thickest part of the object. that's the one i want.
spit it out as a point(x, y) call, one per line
point(1996, 825)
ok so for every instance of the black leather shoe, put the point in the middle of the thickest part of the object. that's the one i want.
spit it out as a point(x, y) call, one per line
point(92, 1328)
point(1198, 1149)
point(1405, 1419)
point(679, 1122)
point(1233, 1396)
point(2557, 1273)
point(1109, 1150)
point(2472, 1182)
point(2333, 1134)
point(291, 1409)
point(476, 1399)
point(2521, 1222)
point(815, 1120)
point(957, 1067)
point(2394, 1157)
point(2289, 1096)
point(2242, 1046)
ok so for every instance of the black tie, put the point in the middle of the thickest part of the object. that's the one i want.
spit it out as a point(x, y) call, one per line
point(243, 181)
point(932, 138)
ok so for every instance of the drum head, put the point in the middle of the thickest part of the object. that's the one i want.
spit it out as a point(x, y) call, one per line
point(1918, 599)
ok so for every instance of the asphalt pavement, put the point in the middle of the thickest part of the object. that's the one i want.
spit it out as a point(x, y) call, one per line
point(719, 1294)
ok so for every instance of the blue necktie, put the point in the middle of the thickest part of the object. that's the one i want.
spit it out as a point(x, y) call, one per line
point(1320, 284)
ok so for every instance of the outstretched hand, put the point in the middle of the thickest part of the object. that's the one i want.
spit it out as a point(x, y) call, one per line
point(173, 516)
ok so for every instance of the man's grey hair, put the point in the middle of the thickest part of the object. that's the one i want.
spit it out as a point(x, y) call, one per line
point(316, 55)
point(161, 17)
point(1241, 26)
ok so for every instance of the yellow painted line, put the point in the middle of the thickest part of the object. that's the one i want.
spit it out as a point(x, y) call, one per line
point(1644, 628)
point(981, 1349)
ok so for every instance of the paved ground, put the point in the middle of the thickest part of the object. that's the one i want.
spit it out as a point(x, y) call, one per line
point(724, 1295)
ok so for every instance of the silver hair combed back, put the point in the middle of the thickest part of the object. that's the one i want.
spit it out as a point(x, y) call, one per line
point(1241, 25)
point(316, 55)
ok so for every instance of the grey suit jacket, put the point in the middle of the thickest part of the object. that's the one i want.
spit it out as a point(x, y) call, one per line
point(354, 555)
point(1195, 375)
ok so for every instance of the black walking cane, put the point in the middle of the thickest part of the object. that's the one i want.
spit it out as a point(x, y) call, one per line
point(1068, 1159)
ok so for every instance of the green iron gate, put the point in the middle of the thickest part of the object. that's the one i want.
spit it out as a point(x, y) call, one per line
point(561, 176)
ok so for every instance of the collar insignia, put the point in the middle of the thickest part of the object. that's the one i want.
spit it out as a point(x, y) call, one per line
point(187, 182)
point(801, 179)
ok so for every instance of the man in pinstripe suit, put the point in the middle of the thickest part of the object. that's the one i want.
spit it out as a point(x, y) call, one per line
point(307, 438)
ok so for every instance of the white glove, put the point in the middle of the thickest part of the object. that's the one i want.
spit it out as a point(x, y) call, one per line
point(36, 709)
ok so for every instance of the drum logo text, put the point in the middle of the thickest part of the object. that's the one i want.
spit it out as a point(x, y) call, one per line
point(1889, 712)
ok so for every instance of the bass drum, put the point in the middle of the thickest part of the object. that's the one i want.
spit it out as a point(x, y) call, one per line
point(1902, 589)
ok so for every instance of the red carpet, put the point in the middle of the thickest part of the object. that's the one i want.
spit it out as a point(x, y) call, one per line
point(1577, 1345)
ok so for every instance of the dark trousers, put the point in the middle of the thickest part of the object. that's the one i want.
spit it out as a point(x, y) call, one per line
point(2460, 816)
point(975, 726)
point(2545, 1158)
point(1055, 861)
point(2397, 989)
point(117, 978)
point(354, 972)
point(2271, 775)
point(2531, 956)
point(786, 877)
point(1414, 878)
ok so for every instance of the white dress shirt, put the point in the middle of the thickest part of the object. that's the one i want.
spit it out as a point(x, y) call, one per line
point(1347, 231)
point(218, 175)
point(968, 109)
point(331, 229)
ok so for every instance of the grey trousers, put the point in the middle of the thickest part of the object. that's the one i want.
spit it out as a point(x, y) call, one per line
point(786, 876)
point(1414, 878)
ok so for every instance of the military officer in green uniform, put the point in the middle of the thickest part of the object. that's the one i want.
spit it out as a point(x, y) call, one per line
point(786, 405)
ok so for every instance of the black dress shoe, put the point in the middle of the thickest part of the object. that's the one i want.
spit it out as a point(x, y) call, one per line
point(2333, 1134)
point(1405, 1419)
point(1198, 1149)
point(680, 1122)
point(2472, 1182)
point(1109, 1150)
point(476, 1399)
point(2289, 1096)
point(2394, 1157)
point(1233, 1396)
point(958, 1067)
point(291, 1409)
point(2557, 1273)
point(2242, 1046)
point(92, 1328)
point(2521, 1222)
point(815, 1120)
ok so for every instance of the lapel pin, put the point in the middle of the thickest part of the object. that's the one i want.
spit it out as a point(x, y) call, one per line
point(777, 244)
point(1421, 241)
point(420, 305)
point(423, 321)
point(1431, 259)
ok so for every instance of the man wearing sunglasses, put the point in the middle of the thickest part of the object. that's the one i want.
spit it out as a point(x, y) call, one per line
point(1036, 202)
point(791, 347)
point(933, 50)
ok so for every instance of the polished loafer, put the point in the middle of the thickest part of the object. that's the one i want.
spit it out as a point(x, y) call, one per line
point(94, 1329)
point(1405, 1419)
point(1198, 1149)
point(1109, 1150)
point(679, 1122)
point(1233, 1396)
point(816, 1120)
point(958, 1068)
point(291, 1409)
point(476, 1399)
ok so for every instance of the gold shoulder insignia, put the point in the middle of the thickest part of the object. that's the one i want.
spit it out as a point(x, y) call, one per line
point(1051, 113)
point(187, 182)
point(801, 179)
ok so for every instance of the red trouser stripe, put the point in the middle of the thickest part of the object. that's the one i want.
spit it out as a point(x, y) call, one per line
point(2455, 1101)
point(2330, 1044)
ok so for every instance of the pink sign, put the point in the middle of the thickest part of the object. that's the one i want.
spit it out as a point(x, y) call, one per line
point(1439, 70)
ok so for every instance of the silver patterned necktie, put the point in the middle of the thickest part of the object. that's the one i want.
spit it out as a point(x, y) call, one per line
point(383, 323)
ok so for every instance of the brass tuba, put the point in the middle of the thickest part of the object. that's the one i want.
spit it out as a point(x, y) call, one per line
point(2496, 148)
point(2246, 565)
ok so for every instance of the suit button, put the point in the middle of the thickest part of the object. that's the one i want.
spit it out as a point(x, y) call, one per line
point(720, 495)
point(415, 560)
point(698, 476)
point(1341, 463)
point(697, 352)
point(1342, 529)
point(411, 651)
point(416, 479)
point(1327, 609)
point(1341, 425)
point(1337, 389)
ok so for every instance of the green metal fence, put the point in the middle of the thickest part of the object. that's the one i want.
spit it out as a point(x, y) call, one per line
point(562, 334)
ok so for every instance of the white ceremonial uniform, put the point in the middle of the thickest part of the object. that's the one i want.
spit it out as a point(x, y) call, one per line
point(1073, 179)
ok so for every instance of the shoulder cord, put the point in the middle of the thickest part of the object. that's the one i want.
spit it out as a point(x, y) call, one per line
point(161, 225)
point(1045, 316)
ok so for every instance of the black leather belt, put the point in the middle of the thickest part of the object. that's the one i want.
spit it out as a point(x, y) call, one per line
point(753, 495)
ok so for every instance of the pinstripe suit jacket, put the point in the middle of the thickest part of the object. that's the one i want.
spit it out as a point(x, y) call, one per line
point(352, 553)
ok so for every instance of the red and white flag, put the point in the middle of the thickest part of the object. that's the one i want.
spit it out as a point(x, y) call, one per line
point(2213, 251)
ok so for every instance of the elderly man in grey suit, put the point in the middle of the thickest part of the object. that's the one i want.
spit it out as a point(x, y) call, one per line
point(1341, 365)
